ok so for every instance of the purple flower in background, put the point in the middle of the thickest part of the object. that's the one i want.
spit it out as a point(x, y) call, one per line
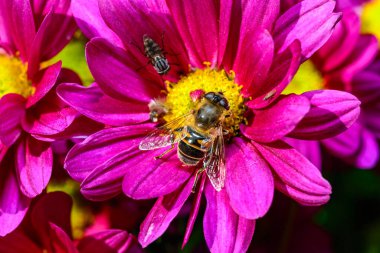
point(246, 50)
point(31, 32)
point(345, 63)
point(46, 228)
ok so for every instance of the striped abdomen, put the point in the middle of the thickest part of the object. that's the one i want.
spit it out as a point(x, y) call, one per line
point(190, 150)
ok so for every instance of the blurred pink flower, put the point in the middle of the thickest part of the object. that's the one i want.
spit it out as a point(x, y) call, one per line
point(46, 228)
point(31, 32)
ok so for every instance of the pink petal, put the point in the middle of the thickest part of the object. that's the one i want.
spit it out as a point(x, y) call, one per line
point(118, 78)
point(49, 117)
point(51, 208)
point(109, 241)
point(162, 213)
point(250, 195)
point(277, 120)
point(100, 147)
point(49, 40)
point(224, 230)
point(336, 52)
point(93, 103)
point(253, 59)
point(22, 28)
point(152, 178)
point(34, 165)
point(18, 242)
point(12, 109)
point(91, 23)
point(296, 173)
point(331, 113)
point(241, 17)
point(295, 25)
point(310, 149)
point(284, 67)
point(194, 209)
point(197, 22)
point(44, 82)
point(363, 54)
point(160, 28)
point(356, 146)
point(13, 204)
point(60, 241)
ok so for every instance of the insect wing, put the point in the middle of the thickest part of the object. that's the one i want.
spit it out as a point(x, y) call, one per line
point(165, 135)
point(214, 162)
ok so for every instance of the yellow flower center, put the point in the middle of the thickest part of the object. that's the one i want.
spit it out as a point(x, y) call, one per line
point(307, 78)
point(179, 102)
point(13, 77)
point(371, 18)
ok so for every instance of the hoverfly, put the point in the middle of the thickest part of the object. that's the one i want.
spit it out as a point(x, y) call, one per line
point(199, 135)
point(156, 55)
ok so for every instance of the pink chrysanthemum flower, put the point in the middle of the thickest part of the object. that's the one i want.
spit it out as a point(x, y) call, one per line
point(46, 228)
point(344, 63)
point(31, 32)
point(246, 50)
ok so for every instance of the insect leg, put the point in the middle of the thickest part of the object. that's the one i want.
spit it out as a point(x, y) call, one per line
point(196, 179)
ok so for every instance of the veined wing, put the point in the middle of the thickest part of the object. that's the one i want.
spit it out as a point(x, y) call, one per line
point(165, 135)
point(214, 162)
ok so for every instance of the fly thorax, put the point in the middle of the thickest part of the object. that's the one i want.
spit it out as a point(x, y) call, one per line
point(208, 116)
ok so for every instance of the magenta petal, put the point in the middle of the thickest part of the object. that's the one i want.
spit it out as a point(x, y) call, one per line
point(100, 147)
point(60, 241)
point(295, 171)
point(253, 59)
point(310, 149)
point(331, 113)
point(283, 69)
point(363, 54)
point(22, 28)
point(44, 82)
point(18, 242)
point(117, 78)
point(93, 103)
point(197, 22)
point(34, 165)
point(240, 17)
point(49, 40)
point(54, 207)
point(13, 204)
point(295, 25)
point(109, 241)
point(105, 181)
point(48, 117)
point(91, 23)
point(356, 146)
point(224, 230)
point(151, 178)
point(302, 197)
point(162, 213)
point(250, 195)
point(194, 209)
point(12, 109)
point(276, 121)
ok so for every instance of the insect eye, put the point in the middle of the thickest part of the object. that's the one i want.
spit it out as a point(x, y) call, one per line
point(210, 95)
point(224, 103)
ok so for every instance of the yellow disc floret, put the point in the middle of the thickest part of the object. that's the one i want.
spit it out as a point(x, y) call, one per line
point(371, 18)
point(13, 77)
point(179, 102)
point(307, 78)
